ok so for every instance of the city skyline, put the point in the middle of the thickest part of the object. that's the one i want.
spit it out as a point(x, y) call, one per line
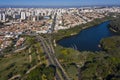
point(58, 3)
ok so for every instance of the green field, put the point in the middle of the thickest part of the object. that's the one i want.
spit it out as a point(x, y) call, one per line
point(20, 62)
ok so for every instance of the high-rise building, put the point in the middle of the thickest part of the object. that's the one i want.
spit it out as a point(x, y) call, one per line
point(38, 18)
point(3, 17)
point(23, 15)
point(34, 18)
point(28, 14)
point(0, 16)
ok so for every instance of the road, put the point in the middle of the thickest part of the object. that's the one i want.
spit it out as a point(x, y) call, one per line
point(49, 50)
point(50, 53)
point(15, 76)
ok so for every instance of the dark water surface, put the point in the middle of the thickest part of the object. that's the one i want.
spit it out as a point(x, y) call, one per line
point(88, 39)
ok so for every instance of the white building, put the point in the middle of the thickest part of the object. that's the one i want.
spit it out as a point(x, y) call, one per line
point(0, 16)
point(23, 15)
point(34, 18)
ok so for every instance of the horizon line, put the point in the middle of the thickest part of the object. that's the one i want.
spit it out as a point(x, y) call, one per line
point(38, 6)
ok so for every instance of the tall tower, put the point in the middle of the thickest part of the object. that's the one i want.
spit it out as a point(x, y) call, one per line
point(23, 15)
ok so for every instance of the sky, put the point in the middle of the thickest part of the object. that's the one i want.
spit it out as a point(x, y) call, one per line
point(59, 2)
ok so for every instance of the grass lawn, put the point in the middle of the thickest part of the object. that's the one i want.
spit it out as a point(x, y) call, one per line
point(19, 63)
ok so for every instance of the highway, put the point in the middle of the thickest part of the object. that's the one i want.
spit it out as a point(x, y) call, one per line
point(50, 53)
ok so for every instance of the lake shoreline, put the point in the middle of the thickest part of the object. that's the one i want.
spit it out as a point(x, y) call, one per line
point(91, 35)
point(84, 28)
